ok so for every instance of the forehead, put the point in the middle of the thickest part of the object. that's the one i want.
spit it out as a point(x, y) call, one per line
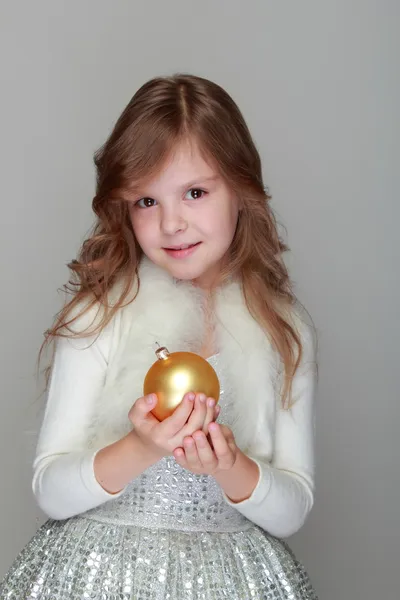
point(184, 164)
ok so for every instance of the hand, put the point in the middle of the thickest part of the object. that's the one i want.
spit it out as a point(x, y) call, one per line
point(194, 413)
point(200, 456)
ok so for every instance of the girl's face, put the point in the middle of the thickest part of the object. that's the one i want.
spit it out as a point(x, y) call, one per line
point(185, 218)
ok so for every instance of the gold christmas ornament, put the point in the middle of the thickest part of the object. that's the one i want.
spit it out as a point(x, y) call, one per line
point(175, 374)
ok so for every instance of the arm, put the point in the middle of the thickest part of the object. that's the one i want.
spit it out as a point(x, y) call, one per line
point(284, 488)
point(64, 479)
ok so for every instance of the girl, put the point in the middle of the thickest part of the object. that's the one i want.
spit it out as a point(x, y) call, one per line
point(185, 252)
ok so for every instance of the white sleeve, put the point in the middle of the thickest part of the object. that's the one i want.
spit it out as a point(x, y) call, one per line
point(284, 494)
point(64, 482)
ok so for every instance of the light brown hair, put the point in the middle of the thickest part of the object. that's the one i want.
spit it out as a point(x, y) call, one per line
point(163, 112)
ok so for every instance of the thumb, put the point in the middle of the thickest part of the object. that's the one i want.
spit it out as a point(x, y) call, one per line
point(141, 410)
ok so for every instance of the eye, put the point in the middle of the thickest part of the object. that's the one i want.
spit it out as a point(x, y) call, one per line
point(145, 203)
point(195, 194)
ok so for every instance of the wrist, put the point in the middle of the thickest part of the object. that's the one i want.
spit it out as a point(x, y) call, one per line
point(149, 451)
point(239, 482)
point(117, 464)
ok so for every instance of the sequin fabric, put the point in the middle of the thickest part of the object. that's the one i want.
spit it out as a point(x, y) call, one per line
point(170, 536)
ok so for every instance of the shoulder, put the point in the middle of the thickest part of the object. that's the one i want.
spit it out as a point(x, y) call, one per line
point(306, 330)
point(301, 321)
point(89, 316)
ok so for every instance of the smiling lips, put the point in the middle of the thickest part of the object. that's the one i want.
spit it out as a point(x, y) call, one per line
point(181, 251)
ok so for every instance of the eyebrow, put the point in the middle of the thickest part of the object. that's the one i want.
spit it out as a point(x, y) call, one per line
point(199, 180)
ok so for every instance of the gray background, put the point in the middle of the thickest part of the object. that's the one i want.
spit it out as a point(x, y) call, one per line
point(318, 84)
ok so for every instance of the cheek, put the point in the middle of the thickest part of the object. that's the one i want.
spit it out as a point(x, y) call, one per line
point(141, 226)
point(229, 219)
point(223, 214)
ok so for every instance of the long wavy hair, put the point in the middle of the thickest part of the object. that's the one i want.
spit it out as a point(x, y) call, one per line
point(162, 113)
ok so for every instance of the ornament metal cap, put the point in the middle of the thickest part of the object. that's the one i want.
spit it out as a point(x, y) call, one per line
point(162, 353)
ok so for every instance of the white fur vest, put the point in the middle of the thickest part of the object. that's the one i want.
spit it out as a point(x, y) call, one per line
point(171, 313)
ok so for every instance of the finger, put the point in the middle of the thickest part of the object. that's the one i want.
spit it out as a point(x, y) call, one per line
point(226, 432)
point(191, 453)
point(198, 415)
point(179, 417)
point(180, 457)
point(141, 411)
point(206, 455)
point(230, 438)
point(210, 414)
point(221, 448)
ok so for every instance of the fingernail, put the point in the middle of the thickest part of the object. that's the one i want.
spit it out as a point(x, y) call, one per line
point(202, 398)
point(191, 397)
point(213, 427)
point(150, 399)
point(211, 402)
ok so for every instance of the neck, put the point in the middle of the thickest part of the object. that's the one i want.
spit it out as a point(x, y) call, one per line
point(214, 277)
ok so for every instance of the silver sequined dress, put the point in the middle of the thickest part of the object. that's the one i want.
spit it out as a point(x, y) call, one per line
point(171, 535)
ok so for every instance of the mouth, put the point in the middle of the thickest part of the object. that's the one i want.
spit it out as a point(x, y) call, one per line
point(181, 251)
point(182, 247)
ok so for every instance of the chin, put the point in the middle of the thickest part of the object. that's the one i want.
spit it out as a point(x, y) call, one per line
point(184, 272)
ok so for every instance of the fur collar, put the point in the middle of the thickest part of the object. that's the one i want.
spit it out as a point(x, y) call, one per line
point(171, 313)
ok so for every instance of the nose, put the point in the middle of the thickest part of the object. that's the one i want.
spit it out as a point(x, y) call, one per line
point(172, 220)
